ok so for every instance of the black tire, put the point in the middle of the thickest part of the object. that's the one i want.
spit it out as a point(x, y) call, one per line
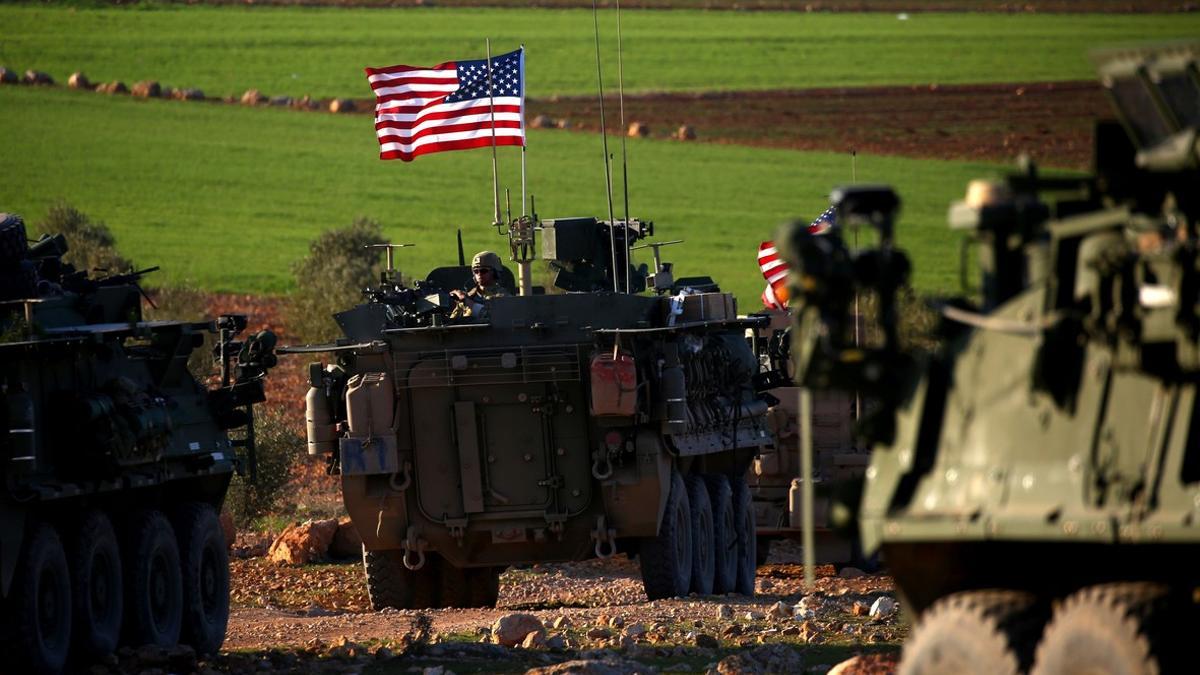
point(974, 632)
point(484, 583)
point(725, 560)
point(153, 582)
point(98, 588)
point(704, 547)
point(762, 551)
point(666, 560)
point(391, 584)
point(40, 606)
point(747, 539)
point(1120, 628)
point(13, 241)
point(204, 562)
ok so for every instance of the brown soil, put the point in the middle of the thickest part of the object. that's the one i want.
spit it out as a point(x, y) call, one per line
point(1050, 121)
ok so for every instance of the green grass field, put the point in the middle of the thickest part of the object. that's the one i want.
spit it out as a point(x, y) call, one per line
point(228, 197)
point(321, 51)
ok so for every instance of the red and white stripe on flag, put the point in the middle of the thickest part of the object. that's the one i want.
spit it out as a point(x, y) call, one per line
point(412, 117)
point(775, 271)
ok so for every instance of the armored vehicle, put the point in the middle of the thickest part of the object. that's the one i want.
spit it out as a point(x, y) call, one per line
point(114, 462)
point(1034, 485)
point(618, 413)
point(839, 462)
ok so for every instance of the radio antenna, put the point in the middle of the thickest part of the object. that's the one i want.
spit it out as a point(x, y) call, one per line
point(612, 236)
point(624, 134)
point(492, 109)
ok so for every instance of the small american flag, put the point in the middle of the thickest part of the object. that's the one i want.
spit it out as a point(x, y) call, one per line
point(775, 269)
point(448, 107)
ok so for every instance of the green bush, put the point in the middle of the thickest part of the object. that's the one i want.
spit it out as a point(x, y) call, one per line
point(279, 447)
point(331, 278)
point(92, 246)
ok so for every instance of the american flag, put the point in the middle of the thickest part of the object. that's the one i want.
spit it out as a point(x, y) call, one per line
point(775, 269)
point(448, 107)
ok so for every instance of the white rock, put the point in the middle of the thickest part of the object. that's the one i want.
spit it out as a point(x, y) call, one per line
point(780, 610)
point(883, 607)
point(510, 630)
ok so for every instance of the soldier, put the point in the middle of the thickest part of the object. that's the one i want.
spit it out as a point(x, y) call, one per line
point(485, 267)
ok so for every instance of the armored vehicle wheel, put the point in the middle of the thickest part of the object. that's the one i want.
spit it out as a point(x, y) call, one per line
point(666, 560)
point(13, 242)
point(974, 632)
point(41, 606)
point(153, 582)
point(724, 534)
point(1111, 628)
point(703, 542)
point(743, 515)
point(205, 573)
point(469, 587)
point(391, 584)
point(97, 587)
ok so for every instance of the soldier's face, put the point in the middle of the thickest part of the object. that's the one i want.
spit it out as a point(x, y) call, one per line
point(484, 275)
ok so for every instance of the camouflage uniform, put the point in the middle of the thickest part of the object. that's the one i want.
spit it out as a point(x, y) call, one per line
point(475, 303)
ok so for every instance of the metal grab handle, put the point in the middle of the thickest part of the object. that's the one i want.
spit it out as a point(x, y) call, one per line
point(412, 543)
point(404, 485)
point(612, 548)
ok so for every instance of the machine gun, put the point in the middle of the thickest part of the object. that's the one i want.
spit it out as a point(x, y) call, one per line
point(244, 365)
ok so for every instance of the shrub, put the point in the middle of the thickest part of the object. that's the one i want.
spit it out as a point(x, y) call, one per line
point(279, 446)
point(92, 245)
point(331, 278)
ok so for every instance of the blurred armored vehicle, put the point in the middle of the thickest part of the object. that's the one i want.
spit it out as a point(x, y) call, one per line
point(838, 462)
point(548, 427)
point(1034, 485)
point(114, 461)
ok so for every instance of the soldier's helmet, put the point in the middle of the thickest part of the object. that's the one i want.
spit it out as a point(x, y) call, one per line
point(487, 259)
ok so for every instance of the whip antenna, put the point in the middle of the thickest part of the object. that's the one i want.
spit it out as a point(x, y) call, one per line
point(612, 237)
point(624, 134)
point(492, 108)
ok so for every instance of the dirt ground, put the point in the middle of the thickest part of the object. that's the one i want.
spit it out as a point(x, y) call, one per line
point(1050, 121)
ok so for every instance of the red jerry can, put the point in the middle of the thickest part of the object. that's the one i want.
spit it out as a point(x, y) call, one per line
point(614, 384)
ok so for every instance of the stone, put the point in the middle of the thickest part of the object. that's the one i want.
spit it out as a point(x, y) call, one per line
point(635, 631)
point(280, 100)
point(685, 133)
point(854, 664)
point(851, 573)
point(882, 608)
point(616, 622)
point(114, 87)
point(227, 527)
point(724, 612)
point(772, 658)
point(341, 105)
point(590, 666)
point(253, 97)
point(755, 615)
point(146, 89)
point(534, 640)
point(187, 95)
point(556, 642)
point(303, 543)
point(37, 77)
point(705, 640)
point(305, 103)
point(78, 81)
point(511, 629)
point(858, 609)
point(598, 633)
point(638, 130)
point(346, 542)
point(8, 76)
point(543, 122)
point(561, 621)
point(564, 123)
point(780, 610)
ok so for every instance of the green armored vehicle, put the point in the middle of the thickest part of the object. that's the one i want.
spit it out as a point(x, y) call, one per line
point(114, 462)
point(618, 413)
point(1034, 485)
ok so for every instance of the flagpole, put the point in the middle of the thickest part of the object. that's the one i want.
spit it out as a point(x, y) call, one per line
point(492, 107)
point(524, 132)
